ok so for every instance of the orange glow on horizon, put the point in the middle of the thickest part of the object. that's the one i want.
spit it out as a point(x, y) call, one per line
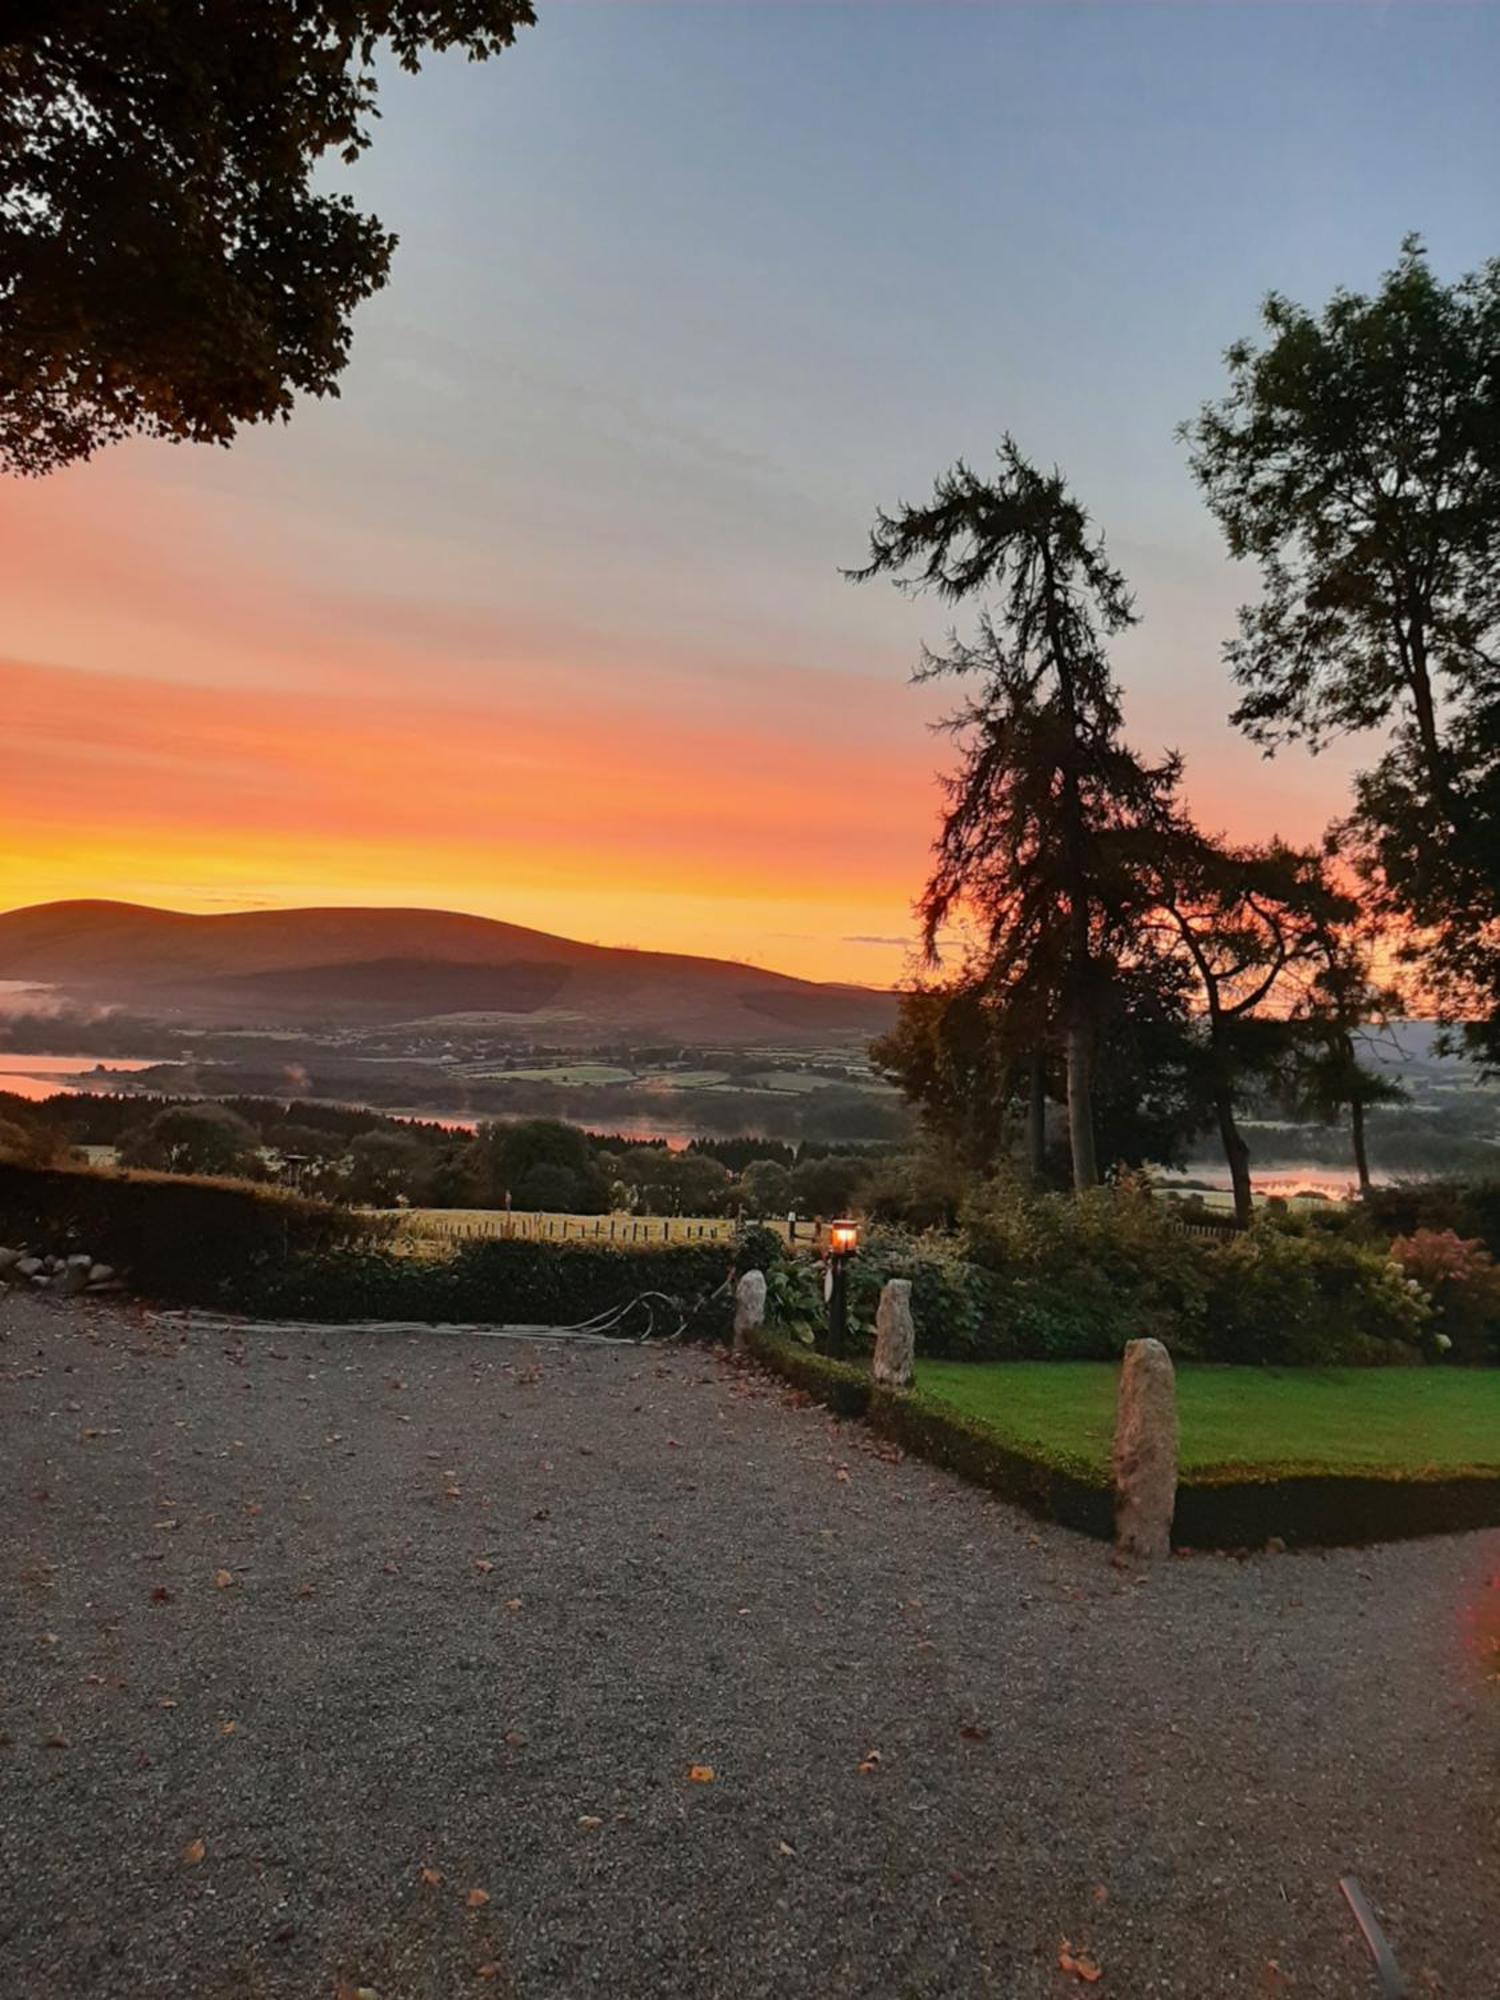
point(213, 702)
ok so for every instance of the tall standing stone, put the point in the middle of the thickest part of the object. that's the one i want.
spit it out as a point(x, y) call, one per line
point(1145, 1453)
point(895, 1335)
point(749, 1308)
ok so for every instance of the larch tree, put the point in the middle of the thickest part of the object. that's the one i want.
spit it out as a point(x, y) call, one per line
point(1044, 780)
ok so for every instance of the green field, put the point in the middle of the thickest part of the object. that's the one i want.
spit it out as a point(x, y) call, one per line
point(1393, 1420)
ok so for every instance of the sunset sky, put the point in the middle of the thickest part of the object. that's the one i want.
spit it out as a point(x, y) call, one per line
point(543, 618)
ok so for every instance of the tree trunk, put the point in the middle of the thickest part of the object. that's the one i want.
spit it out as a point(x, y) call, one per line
point(1237, 1156)
point(1080, 1062)
point(1357, 1135)
point(1078, 993)
point(1036, 1115)
point(1438, 765)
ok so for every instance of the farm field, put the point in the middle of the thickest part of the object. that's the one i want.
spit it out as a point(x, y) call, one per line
point(1409, 1421)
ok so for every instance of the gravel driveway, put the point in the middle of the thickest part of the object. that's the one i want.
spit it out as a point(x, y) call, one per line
point(342, 1662)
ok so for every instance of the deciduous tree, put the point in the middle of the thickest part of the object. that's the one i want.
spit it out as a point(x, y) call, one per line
point(1356, 462)
point(169, 266)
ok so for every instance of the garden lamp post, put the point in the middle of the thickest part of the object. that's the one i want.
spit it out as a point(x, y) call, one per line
point(843, 1241)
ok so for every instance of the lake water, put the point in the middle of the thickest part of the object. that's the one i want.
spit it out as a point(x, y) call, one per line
point(37, 1077)
point(1284, 1178)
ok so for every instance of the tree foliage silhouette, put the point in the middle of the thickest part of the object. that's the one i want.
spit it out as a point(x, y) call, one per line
point(167, 266)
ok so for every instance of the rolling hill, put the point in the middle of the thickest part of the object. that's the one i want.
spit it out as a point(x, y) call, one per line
point(373, 967)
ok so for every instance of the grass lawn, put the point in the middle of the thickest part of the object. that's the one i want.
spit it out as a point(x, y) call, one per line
point(1385, 1420)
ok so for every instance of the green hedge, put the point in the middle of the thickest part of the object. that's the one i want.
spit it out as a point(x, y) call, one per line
point(185, 1242)
point(240, 1248)
point(500, 1282)
point(1332, 1511)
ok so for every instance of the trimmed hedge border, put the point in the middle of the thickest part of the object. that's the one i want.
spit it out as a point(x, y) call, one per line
point(929, 1430)
point(236, 1246)
point(185, 1242)
point(1333, 1510)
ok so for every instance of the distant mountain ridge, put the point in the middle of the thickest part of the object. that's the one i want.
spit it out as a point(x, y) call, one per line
point(360, 966)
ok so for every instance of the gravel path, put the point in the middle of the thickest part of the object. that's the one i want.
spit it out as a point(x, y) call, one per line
point(289, 1621)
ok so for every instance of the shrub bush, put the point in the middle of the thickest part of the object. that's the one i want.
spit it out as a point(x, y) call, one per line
point(1080, 1275)
point(1468, 1208)
point(1287, 1295)
point(1461, 1278)
point(1065, 1278)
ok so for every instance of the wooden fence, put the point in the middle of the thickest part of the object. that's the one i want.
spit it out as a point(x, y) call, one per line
point(449, 1225)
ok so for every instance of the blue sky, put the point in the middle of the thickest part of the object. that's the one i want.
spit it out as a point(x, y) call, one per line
point(684, 292)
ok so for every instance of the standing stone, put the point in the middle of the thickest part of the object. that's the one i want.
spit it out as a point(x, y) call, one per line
point(895, 1335)
point(749, 1308)
point(1145, 1453)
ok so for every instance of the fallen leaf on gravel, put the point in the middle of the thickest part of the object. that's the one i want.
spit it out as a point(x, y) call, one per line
point(48, 1639)
point(193, 1853)
point(589, 1821)
point(453, 1492)
point(477, 1898)
point(1078, 1963)
point(701, 1774)
point(512, 1603)
point(487, 1971)
point(483, 1566)
point(228, 1728)
point(223, 1579)
point(431, 1879)
point(870, 1761)
point(976, 1732)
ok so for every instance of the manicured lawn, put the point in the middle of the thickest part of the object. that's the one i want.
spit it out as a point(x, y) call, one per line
point(1401, 1420)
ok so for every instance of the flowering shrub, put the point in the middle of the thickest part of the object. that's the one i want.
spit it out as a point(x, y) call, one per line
point(1289, 1295)
point(1463, 1282)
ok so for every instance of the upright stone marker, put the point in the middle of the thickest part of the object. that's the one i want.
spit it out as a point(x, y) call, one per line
point(749, 1308)
point(1145, 1453)
point(895, 1335)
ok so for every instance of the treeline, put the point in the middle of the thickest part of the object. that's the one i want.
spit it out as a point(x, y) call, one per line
point(358, 1156)
point(834, 1111)
point(1145, 973)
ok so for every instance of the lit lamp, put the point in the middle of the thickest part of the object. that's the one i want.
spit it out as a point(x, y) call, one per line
point(843, 1241)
